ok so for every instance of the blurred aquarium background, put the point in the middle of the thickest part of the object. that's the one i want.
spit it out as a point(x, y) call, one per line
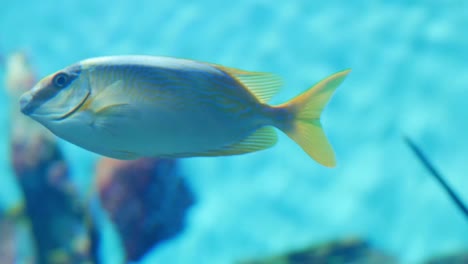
point(409, 60)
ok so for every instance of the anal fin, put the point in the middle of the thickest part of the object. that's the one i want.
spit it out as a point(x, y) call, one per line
point(263, 138)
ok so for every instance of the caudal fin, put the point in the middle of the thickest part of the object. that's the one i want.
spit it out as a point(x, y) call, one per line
point(306, 109)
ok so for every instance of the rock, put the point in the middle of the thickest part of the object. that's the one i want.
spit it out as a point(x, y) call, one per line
point(147, 200)
point(343, 251)
point(454, 258)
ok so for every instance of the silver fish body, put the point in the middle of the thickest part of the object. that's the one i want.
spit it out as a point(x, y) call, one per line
point(127, 107)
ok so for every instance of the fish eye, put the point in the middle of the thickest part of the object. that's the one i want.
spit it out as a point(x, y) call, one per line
point(61, 79)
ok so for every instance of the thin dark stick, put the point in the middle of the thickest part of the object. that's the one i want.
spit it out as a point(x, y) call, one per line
point(437, 175)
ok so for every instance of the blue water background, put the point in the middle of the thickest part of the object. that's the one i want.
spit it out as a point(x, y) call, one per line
point(409, 63)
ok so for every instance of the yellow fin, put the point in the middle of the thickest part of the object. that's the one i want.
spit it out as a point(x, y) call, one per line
point(263, 85)
point(306, 129)
point(312, 139)
point(263, 138)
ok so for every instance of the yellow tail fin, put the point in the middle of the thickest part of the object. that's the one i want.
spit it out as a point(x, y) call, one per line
point(306, 109)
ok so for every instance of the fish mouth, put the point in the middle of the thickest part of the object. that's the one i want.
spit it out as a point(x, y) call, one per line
point(74, 109)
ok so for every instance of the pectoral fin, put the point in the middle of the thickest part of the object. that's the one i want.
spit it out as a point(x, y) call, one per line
point(111, 92)
point(118, 111)
point(111, 117)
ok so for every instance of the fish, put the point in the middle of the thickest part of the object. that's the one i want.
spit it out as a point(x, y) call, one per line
point(132, 106)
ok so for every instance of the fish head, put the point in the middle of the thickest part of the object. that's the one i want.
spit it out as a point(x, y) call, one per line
point(67, 104)
point(55, 98)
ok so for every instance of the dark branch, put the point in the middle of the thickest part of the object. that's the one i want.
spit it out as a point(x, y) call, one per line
point(437, 176)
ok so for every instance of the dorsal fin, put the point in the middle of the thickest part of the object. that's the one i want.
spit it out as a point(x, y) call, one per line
point(263, 85)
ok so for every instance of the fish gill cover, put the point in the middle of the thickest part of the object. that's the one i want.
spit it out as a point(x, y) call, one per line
point(409, 64)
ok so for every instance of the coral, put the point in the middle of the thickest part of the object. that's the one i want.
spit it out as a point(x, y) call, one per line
point(146, 199)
